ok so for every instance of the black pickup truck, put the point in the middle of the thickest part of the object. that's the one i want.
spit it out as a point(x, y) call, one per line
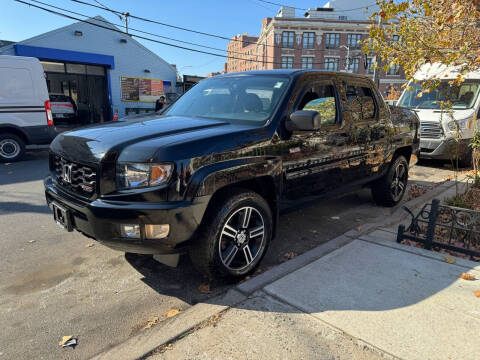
point(208, 175)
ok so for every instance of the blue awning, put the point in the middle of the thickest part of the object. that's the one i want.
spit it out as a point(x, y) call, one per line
point(64, 55)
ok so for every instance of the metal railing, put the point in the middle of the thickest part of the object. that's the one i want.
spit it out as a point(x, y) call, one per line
point(444, 227)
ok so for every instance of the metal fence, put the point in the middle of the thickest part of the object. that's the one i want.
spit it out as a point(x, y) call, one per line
point(444, 227)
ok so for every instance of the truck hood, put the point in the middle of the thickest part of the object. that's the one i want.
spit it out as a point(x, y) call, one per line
point(153, 138)
point(439, 116)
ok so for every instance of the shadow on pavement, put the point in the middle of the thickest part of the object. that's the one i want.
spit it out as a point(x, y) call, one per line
point(21, 207)
point(34, 166)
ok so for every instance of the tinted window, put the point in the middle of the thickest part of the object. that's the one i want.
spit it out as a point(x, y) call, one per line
point(320, 98)
point(249, 98)
point(360, 102)
point(16, 84)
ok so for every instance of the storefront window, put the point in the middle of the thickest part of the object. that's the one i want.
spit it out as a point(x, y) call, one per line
point(95, 70)
point(53, 66)
point(76, 68)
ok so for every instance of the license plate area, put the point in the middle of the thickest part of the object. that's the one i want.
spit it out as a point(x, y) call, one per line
point(62, 217)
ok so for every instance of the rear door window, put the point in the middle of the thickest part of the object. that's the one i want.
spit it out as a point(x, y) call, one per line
point(360, 102)
point(16, 84)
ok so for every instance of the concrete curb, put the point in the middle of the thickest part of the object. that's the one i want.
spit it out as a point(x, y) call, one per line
point(147, 341)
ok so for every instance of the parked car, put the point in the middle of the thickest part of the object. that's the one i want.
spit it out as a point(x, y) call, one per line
point(208, 175)
point(64, 108)
point(439, 132)
point(25, 110)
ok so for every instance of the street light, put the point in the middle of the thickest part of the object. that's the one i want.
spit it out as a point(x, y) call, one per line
point(347, 62)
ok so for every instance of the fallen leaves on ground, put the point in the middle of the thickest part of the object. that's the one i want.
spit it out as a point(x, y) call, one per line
point(467, 276)
point(90, 245)
point(211, 321)
point(289, 255)
point(151, 322)
point(477, 293)
point(65, 339)
point(450, 260)
point(416, 191)
point(171, 313)
point(162, 349)
point(204, 288)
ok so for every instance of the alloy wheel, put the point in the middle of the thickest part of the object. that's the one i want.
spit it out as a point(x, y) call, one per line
point(399, 182)
point(242, 239)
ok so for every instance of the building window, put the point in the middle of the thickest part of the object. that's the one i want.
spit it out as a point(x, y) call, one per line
point(287, 62)
point(288, 39)
point(394, 70)
point(308, 40)
point(395, 39)
point(342, 17)
point(353, 41)
point(370, 64)
point(53, 66)
point(331, 64)
point(353, 66)
point(307, 62)
point(332, 41)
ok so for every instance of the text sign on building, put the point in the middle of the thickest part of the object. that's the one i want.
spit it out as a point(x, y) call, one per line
point(143, 89)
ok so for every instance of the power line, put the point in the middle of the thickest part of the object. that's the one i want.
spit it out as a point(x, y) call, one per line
point(282, 5)
point(141, 31)
point(358, 8)
point(303, 9)
point(146, 38)
point(182, 28)
point(192, 30)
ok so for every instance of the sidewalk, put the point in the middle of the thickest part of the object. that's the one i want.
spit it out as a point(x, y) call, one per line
point(369, 298)
point(359, 296)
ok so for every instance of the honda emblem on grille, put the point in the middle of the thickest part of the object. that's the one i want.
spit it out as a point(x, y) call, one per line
point(67, 173)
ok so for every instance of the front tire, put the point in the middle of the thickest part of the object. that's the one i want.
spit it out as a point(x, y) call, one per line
point(234, 237)
point(12, 147)
point(389, 190)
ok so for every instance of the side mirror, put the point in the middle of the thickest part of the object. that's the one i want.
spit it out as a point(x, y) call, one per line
point(303, 120)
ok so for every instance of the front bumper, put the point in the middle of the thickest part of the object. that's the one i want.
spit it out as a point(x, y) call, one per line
point(444, 149)
point(100, 220)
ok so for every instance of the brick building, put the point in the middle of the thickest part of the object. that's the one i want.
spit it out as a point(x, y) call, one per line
point(320, 39)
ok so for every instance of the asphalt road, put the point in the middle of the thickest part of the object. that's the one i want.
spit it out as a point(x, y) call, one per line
point(52, 283)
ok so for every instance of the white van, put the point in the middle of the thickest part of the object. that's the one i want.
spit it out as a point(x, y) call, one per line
point(25, 112)
point(438, 131)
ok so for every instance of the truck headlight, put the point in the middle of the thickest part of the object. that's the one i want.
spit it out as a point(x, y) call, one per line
point(142, 175)
point(462, 124)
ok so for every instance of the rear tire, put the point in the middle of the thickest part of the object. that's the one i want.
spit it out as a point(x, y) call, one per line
point(234, 236)
point(12, 147)
point(389, 190)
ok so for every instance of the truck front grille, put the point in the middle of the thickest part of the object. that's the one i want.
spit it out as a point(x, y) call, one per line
point(75, 177)
point(430, 130)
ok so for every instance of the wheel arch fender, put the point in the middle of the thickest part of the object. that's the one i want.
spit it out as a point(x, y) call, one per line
point(262, 175)
point(16, 130)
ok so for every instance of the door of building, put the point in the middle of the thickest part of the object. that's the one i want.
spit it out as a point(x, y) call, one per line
point(87, 86)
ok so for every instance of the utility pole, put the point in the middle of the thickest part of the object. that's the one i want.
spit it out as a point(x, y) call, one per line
point(127, 14)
